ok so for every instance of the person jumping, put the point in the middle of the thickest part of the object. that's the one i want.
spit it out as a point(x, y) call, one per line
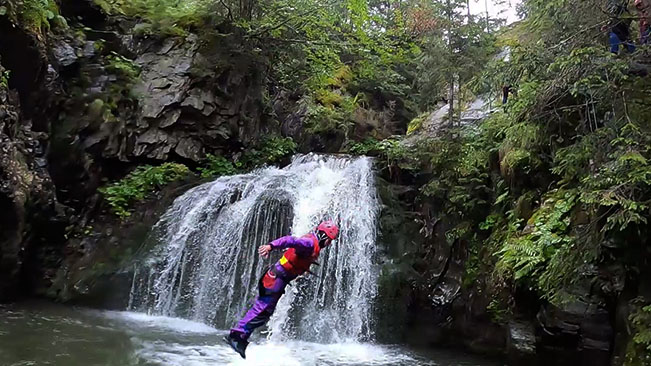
point(300, 254)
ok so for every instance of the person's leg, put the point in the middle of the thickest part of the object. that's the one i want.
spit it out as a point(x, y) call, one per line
point(256, 317)
point(614, 42)
point(271, 289)
point(630, 47)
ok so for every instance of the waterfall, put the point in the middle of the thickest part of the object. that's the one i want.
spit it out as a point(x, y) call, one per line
point(205, 266)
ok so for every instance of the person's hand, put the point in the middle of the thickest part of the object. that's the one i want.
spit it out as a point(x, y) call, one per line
point(264, 250)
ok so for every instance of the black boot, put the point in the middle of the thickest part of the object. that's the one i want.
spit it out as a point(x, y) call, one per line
point(237, 343)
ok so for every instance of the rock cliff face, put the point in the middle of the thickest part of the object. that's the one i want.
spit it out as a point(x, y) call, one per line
point(32, 219)
point(426, 302)
point(84, 102)
point(174, 99)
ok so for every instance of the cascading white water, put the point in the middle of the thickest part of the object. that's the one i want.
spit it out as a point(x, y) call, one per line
point(205, 266)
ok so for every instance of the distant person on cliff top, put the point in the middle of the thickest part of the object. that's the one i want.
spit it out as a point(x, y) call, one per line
point(506, 90)
point(300, 254)
point(619, 32)
point(644, 17)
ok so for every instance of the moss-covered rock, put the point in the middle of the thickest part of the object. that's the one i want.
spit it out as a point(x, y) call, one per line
point(97, 270)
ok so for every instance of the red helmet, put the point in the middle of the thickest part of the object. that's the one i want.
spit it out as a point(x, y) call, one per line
point(329, 228)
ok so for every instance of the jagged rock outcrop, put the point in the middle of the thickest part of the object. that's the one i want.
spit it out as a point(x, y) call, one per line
point(87, 101)
point(173, 99)
point(577, 333)
point(31, 219)
point(521, 343)
point(188, 107)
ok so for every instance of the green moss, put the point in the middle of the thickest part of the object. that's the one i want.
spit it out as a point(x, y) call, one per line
point(329, 98)
point(143, 29)
point(37, 15)
point(139, 183)
point(99, 45)
point(95, 109)
point(342, 76)
point(416, 123)
point(518, 160)
point(124, 68)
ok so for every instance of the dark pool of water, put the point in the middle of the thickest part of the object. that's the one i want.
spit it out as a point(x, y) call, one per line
point(48, 334)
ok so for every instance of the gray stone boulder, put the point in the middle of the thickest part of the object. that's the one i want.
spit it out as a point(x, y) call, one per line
point(579, 332)
point(521, 343)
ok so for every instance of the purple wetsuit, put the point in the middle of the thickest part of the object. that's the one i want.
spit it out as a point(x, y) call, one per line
point(272, 286)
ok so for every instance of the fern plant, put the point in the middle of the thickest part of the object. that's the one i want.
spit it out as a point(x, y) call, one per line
point(638, 352)
point(216, 166)
point(527, 255)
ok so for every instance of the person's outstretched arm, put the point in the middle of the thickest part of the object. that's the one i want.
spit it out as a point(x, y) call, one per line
point(304, 246)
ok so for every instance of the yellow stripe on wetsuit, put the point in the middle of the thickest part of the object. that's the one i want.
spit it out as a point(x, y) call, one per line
point(283, 261)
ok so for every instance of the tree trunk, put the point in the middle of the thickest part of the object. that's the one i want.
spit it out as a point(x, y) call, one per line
point(487, 21)
point(451, 73)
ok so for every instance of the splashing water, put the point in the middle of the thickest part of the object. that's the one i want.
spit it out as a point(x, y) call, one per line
point(206, 266)
point(52, 334)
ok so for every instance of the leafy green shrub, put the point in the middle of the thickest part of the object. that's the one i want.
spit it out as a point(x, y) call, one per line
point(123, 67)
point(329, 111)
point(119, 92)
point(217, 165)
point(139, 183)
point(271, 150)
point(4, 79)
point(572, 162)
point(638, 352)
point(391, 149)
point(365, 147)
point(623, 183)
point(498, 311)
point(165, 17)
point(459, 184)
